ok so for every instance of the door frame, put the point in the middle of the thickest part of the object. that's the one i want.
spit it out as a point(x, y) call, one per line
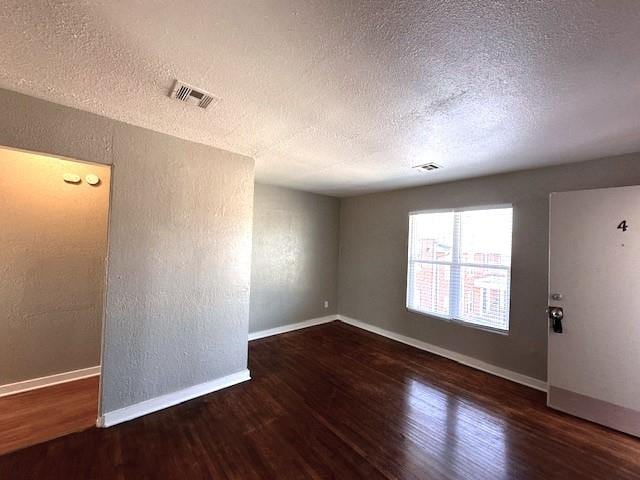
point(109, 185)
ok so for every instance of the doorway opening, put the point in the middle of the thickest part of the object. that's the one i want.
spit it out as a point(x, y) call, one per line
point(53, 248)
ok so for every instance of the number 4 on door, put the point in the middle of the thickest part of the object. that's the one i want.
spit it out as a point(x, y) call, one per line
point(623, 226)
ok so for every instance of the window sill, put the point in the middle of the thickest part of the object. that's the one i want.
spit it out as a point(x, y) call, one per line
point(460, 322)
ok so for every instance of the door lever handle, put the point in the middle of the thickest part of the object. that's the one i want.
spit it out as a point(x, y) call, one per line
point(556, 315)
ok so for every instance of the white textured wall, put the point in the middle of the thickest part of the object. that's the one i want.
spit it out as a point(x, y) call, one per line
point(295, 256)
point(373, 257)
point(179, 266)
point(177, 306)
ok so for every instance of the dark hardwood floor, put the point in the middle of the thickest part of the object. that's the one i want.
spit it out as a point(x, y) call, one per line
point(336, 402)
point(39, 415)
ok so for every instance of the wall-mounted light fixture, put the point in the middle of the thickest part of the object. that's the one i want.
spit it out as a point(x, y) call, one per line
point(71, 178)
point(92, 179)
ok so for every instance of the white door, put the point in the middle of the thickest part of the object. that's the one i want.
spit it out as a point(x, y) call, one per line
point(594, 278)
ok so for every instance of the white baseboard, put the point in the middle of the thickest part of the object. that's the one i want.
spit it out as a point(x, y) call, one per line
point(169, 400)
point(26, 385)
point(292, 326)
point(458, 357)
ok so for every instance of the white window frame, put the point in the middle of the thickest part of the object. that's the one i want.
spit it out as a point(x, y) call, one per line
point(454, 302)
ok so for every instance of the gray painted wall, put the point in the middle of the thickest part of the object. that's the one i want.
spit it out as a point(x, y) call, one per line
point(53, 246)
point(373, 257)
point(295, 256)
point(177, 306)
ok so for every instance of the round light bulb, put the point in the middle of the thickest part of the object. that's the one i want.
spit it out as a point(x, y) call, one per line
point(92, 179)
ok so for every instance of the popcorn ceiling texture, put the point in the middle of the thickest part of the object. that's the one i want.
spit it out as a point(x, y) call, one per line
point(179, 263)
point(343, 97)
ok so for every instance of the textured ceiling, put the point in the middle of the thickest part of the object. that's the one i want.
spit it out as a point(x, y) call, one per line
point(343, 97)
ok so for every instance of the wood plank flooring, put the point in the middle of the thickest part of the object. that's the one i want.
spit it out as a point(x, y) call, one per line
point(333, 401)
point(39, 415)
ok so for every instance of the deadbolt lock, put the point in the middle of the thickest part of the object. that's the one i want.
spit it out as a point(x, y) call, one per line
point(556, 314)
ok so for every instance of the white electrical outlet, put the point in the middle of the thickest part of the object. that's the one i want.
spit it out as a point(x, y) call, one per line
point(326, 304)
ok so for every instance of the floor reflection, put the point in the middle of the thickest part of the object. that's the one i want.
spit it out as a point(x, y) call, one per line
point(456, 433)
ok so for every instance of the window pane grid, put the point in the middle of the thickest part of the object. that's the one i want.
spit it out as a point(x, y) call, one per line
point(459, 265)
point(430, 290)
point(479, 265)
point(484, 297)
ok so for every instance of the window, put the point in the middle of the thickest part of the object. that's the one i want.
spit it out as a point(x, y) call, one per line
point(460, 265)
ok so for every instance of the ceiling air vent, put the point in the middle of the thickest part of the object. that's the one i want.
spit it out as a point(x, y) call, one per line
point(428, 167)
point(193, 95)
